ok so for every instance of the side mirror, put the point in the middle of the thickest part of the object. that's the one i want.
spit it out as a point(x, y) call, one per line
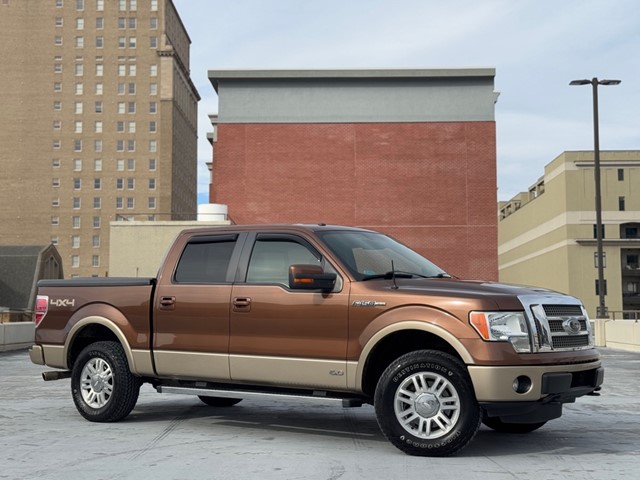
point(310, 277)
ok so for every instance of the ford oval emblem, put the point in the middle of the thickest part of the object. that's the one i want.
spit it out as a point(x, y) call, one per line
point(572, 326)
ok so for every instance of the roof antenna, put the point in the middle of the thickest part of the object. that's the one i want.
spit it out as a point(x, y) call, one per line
point(393, 276)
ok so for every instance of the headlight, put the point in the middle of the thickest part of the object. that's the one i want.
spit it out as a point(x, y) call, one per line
point(503, 327)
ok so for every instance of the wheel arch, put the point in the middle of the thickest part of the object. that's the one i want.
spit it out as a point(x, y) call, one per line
point(397, 339)
point(93, 329)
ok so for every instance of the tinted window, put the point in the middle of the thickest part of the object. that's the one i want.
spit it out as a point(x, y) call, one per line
point(205, 262)
point(270, 260)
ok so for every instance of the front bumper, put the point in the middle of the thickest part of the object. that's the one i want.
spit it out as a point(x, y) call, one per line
point(495, 384)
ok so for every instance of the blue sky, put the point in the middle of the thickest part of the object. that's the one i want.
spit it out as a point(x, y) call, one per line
point(536, 46)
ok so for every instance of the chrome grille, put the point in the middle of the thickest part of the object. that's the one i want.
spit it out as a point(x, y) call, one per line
point(562, 310)
point(555, 325)
point(574, 341)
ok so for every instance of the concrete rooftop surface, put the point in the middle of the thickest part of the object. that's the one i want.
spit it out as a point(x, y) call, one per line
point(178, 437)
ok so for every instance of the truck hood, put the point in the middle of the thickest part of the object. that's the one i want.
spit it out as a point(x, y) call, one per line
point(505, 296)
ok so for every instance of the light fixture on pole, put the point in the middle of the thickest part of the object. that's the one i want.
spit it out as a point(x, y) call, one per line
point(594, 82)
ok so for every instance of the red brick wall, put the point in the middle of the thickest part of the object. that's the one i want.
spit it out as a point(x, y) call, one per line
point(430, 185)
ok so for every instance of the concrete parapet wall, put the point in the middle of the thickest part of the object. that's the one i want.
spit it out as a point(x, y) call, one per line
point(16, 335)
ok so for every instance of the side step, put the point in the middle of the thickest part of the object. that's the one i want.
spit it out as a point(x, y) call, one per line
point(316, 396)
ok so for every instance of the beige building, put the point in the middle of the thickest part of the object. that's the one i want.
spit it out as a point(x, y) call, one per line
point(98, 123)
point(547, 236)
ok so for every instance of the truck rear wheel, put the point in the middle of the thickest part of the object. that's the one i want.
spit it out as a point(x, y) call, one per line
point(219, 401)
point(102, 387)
point(425, 404)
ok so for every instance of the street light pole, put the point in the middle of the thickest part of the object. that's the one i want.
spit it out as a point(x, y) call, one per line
point(602, 309)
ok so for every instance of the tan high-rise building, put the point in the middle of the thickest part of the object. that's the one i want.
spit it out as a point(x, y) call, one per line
point(547, 236)
point(98, 123)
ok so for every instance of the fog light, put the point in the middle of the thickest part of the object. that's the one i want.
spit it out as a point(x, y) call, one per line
point(522, 384)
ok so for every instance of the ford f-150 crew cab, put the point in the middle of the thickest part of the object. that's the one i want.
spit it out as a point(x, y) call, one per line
point(324, 312)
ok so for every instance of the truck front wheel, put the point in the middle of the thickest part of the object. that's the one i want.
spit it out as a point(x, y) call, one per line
point(102, 387)
point(425, 404)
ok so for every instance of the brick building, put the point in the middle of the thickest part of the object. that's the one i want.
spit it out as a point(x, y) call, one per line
point(411, 153)
point(98, 123)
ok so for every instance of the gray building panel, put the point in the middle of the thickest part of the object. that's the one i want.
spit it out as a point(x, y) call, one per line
point(355, 96)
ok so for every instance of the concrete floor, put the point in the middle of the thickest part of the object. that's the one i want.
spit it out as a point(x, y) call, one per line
point(178, 437)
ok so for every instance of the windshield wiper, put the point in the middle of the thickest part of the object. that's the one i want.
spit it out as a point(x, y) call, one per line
point(400, 274)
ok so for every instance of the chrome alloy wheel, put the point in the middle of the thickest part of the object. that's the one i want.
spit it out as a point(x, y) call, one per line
point(96, 383)
point(427, 405)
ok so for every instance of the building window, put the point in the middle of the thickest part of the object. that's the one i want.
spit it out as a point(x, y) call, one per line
point(152, 202)
point(55, 220)
point(79, 88)
point(122, 71)
point(77, 107)
point(59, 3)
point(118, 202)
point(153, 42)
point(77, 183)
point(130, 202)
point(153, 89)
point(154, 5)
point(57, 40)
point(100, 5)
point(153, 107)
point(56, 144)
point(120, 165)
point(95, 260)
point(97, 164)
point(98, 107)
point(77, 145)
point(131, 183)
point(122, 23)
point(119, 183)
point(132, 42)
point(57, 105)
point(99, 23)
point(153, 70)
point(595, 231)
point(620, 174)
point(79, 4)
point(58, 22)
point(99, 72)
point(152, 127)
point(96, 222)
point(75, 222)
point(75, 241)
point(97, 145)
point(132, 22)
point(77, 165)
point(120, 127)
point(99, 42)
point(131, 164)
point(132, 88)
point(152, 164)
point(55, 163)
point(79, 69)
point(152, 184)
point(77, 126)
point(122, 107)
point(57, 68)
point(621, 204)
point(55, 202)
point(121, 89)
point(57, 124)
point(131, 127)
point(97, 203)
point(122, 5)
point(131, 107)
point(153, 23)
point(79, 42)
point(122, 42)
point(55, 182)
point(75, 261)
point(598, 289)
point(98, 126)
point(133, 5)
point(132, 70)
point(57, 86)
point(120, 145)
point(131, 145)
point(54, 240)
point(153, 146)
point(79, 23)
point(99, 86)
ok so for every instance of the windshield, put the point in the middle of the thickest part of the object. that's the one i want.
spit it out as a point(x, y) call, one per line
point(369, 255)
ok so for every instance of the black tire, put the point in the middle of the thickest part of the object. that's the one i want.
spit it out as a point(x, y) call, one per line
point(102, 386)
point(504, 427)
point(414, 389)
point(219, 401)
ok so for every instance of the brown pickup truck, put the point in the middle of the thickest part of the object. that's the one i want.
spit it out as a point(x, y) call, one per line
point(333, 314)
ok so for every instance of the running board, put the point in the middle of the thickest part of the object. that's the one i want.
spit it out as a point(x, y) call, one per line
point(317, 396)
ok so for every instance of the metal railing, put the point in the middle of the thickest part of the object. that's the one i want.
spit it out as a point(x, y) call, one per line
point(625, 315)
